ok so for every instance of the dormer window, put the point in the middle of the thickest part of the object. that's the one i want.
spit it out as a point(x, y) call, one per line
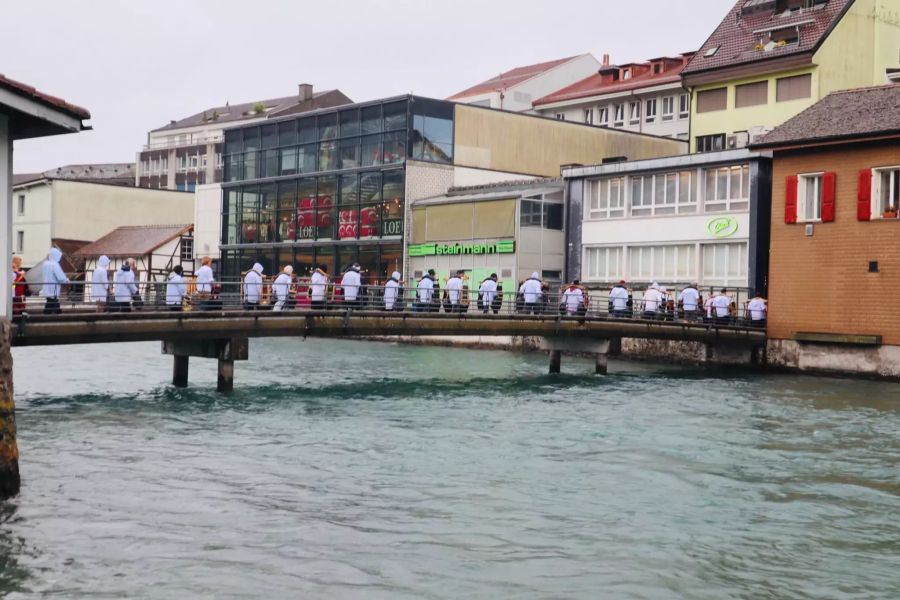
point(657, 68)
point(626, 74)
point(772, 39)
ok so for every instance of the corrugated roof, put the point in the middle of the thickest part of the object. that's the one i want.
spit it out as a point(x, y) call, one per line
point(510, 78)
point(598, 84)
point(861, 112)
point(275, 107)
point(136, 240)
point(46, 99)
point(736, 37)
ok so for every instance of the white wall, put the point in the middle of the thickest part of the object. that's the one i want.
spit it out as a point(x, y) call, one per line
point(207, 220)
point(35, 223)
point(662, 230)
point(555, 79)
point(88, 211)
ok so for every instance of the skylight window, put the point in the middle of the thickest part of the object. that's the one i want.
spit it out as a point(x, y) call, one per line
point(711, 52)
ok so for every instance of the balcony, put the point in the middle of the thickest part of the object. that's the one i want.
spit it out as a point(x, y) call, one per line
point(182, 143)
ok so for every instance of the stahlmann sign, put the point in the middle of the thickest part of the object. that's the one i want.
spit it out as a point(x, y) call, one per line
point(455, 248)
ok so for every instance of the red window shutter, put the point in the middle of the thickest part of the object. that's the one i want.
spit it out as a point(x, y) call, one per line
point(828, 191)
point(864, 196)
point(790, 200)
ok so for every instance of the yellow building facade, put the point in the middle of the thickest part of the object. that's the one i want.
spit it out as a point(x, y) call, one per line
point(854, 50)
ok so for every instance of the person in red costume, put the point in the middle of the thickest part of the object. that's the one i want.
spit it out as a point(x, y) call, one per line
point(18, 281)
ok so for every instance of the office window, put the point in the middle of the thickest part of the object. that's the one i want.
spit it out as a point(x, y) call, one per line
point(887, 193)
point(432, 134)
point(725, 264)
point(20, 205)
point(711, 143)
point(751, 94)
point(620, 115)
point(810, 198)
point(727, 188)
point(684, 106)
point(603, 264)
point(650, 112)
point(530, 213)
point(534, 212)
point(607, 198)
point(661, 263)
point(712, 100)
point(560, 116)
point(603, 115)
point(635, 112)
point(793, 88)
point(553, 216)
point(20, 242)
point(589, 116)
point(662, 194)
point(668, 108)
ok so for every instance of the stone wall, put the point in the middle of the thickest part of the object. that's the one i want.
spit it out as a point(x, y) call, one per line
point(9, 449)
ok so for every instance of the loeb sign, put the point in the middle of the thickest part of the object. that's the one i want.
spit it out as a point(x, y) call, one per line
point(501, 247)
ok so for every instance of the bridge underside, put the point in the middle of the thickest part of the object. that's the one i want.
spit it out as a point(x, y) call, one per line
point(150, 326)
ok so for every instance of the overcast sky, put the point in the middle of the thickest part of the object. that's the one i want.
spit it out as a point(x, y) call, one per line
point(137, 64)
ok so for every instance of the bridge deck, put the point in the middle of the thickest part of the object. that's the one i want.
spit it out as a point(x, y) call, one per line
point(87, 328)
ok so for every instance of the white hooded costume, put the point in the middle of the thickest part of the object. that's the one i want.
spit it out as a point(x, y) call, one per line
point(391, 291)
point(531, 289)
point(573, 298)
point(100, 280)
point(488, 291)
point(253, 284)
point(123, 284)
point(454, 289)
point(53, 274)
point(350, 284)
point(653, 298)
point(282, 287)
point(176, 290)
point(317, 284)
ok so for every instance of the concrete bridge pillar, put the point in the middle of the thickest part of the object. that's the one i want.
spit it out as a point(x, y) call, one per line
point(224, 351)
point(600, 349)
point(9, 449)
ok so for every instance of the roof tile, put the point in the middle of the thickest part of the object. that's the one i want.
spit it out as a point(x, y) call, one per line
point(510, 78)
point(45, 99)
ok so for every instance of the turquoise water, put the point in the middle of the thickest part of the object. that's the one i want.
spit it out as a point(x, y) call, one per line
point(367, 470)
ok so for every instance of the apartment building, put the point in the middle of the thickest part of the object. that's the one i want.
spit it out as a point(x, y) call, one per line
point(835, 235)
point(769, 60)
point(644, 97)
point(517, 88)
point(188, 152)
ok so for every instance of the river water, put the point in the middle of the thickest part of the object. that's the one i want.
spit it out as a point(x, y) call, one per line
point(342, 469)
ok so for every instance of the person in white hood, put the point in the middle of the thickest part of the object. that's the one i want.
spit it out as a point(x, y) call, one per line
point(488, 291)
point(53, 278)
point(253, 284)
point(532, 294)
point(392, 292)
point(653, 299)
point(425, 292)
point(454, 291)
point(100, 284)
point(281, 287)
point(318, 285)
point(350, 285)
point(124, 288)
point(175, 289)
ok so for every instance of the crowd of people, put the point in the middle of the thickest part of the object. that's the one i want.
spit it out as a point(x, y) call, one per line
point(350, 291)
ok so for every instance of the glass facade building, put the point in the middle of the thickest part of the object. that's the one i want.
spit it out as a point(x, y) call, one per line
point(327, 187)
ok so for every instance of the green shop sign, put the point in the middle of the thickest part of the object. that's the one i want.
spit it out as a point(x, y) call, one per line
point(502, 247)
point(722, 227)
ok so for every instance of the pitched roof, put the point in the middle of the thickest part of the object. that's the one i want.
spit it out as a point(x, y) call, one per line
point(863, 112)
point(511, 78)
point(46, 99)
point(20, 178)
point(135, 240)
point(599, 83)
point(736, 36)
point(112, 173)
point(274, 107)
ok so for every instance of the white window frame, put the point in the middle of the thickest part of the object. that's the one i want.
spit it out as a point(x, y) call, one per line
point(732, 201)
point(603, 115)
point(684, 106)
point(589, 116)
point(602, 205)
point(877, 210)
point(634, 112)
point(619, 118)
point(740, 279)
point(660, 256)
point(662, 205)
point(668, 115)
point(20, 204)
point(804, 180)
point(613, 259)
point(650, 110)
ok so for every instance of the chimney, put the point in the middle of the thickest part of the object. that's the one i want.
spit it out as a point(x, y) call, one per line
point(606, 60)
point(305, 91)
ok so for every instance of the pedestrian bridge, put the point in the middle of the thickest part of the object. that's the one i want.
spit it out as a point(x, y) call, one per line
point(224, 334)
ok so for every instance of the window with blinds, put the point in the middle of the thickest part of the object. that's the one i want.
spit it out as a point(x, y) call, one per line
point(793, 88)
point(751, 94)
point(711, 100)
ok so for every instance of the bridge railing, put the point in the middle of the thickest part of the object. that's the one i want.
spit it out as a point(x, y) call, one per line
point(300, 294)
